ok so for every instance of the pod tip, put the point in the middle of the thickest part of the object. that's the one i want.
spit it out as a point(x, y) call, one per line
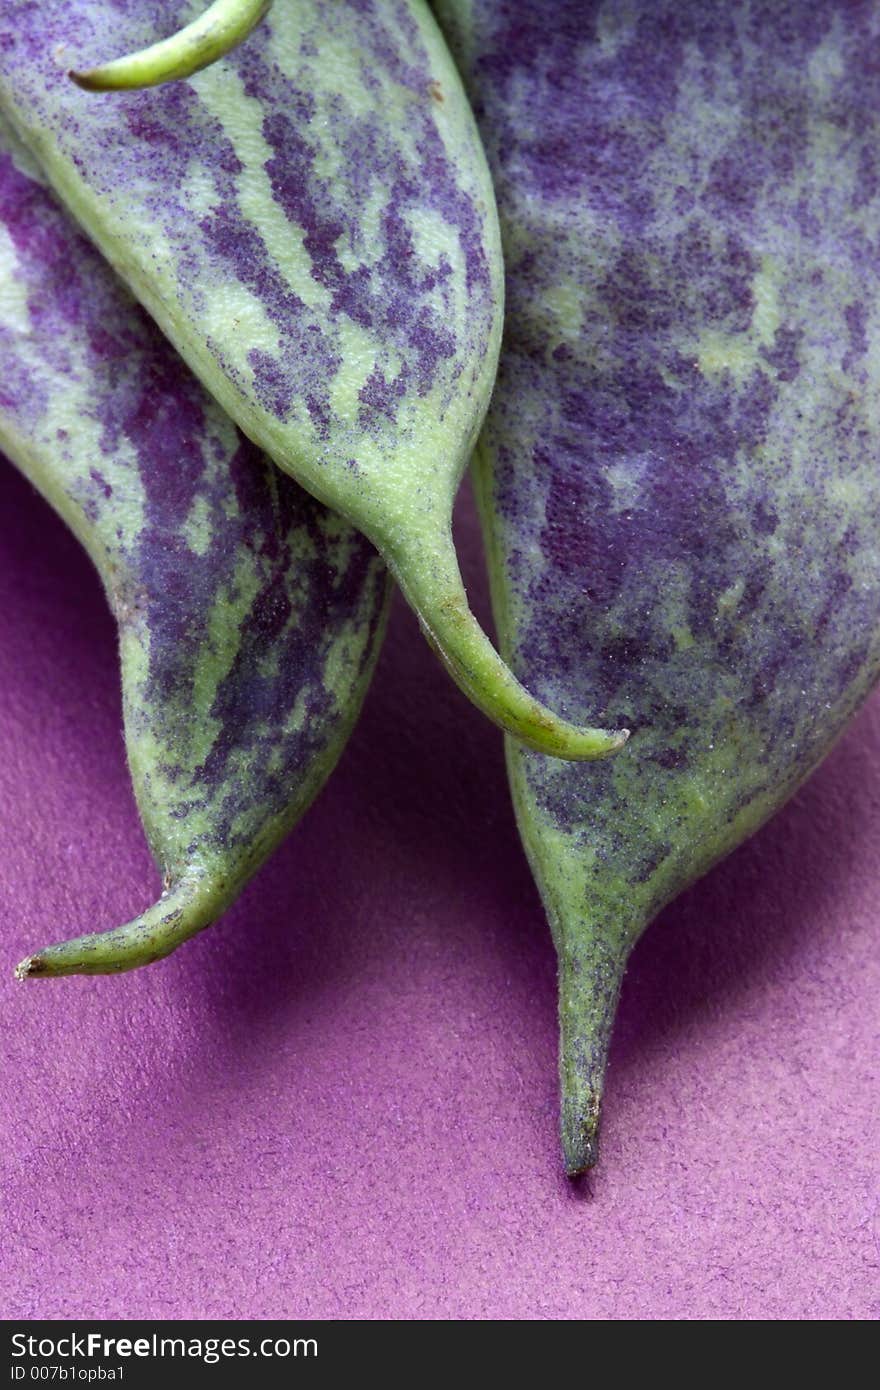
point(29, 967)
point(585, 745)
point(584, 1159)
point(581, 1150)
point(89, 80)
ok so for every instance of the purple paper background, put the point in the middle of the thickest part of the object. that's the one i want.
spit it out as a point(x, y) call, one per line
point(341, 1101)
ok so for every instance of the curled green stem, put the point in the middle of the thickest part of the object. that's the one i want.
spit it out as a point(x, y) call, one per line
point(187, 907)
point(432, 583)
point(222, 27)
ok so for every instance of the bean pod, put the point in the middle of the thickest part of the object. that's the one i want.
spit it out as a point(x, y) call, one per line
point(311, 222)
point(249, 617)
point(680, 472)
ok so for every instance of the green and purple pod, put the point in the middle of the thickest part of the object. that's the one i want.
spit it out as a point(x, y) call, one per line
point(680, 471)
point(249, 616)
point(311, 222)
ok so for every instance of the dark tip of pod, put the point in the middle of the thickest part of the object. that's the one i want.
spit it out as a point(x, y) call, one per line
point(89, 80)
point(184, 908)
point(222, 27)
point(577, 1166)
point(28, 968)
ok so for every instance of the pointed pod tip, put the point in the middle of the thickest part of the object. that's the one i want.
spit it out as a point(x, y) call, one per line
point(431, 582)
point(192, 903)
point(581, 1109)
point(30, 967)
point(581, 1168)
point(223, 26)
point(575, 744)
point(614, 740)
point(584, 1161)
point(90, 80)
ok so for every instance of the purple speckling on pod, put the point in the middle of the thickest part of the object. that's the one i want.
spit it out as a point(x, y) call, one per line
point(312, 223)
point(679, 475)
point(249, 616)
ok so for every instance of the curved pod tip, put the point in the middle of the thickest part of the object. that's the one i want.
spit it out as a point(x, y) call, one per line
point(431, 582)
point(222, 27)
point(187, 908)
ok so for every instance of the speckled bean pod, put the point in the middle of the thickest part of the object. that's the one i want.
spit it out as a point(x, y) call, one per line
point(249, 616)
point(680, 472)
point(311, 221)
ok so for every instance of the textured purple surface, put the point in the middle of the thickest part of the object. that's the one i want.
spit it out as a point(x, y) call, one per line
point(341, 1102)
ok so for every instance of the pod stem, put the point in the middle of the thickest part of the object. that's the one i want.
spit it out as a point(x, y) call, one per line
point(189, 905)
point(431, 582)
point(590, 976)
point(222, 27)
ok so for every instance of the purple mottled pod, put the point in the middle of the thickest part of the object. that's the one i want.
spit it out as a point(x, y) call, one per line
point(311, 222)
point(249, 616)
point(680, 472)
